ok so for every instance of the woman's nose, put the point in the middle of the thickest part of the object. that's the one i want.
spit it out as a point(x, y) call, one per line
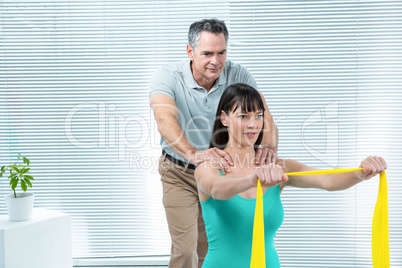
point(252, 123)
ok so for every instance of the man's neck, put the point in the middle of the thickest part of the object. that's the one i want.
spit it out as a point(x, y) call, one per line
point(205, 83)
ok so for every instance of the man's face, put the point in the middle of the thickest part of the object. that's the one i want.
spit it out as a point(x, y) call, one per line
point(208, 58)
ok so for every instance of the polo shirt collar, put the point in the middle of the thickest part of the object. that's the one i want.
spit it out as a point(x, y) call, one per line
point(188, 75)
point(221, 80)
point(191, 83)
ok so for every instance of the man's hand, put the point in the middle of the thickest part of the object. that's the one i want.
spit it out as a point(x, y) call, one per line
point(217, 157)
point(265, 156)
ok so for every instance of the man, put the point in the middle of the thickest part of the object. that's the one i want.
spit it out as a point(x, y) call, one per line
point(184, 97)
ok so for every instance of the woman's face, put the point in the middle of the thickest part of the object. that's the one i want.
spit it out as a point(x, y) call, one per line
point(243, 127)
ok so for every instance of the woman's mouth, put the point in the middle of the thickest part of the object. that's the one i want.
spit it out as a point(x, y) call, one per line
point(250, 134)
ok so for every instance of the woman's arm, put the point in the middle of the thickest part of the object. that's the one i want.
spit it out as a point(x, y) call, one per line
point(372, 166)
point(211, 183)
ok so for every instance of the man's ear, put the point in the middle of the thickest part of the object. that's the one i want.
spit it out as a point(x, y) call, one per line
point(224, 118)
point(190, 52)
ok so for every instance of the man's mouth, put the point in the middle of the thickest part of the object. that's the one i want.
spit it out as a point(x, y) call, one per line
point(213, 69)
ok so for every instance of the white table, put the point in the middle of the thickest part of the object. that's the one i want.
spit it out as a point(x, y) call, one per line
point(41, 242)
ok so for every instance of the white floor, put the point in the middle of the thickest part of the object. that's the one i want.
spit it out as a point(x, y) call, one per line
point(122, 262)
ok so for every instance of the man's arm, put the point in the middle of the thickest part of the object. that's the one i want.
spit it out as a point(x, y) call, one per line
point(166, 116)
point(269, 144)
point(270, 138)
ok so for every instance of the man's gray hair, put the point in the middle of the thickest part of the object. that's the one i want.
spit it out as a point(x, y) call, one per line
point(211, 25)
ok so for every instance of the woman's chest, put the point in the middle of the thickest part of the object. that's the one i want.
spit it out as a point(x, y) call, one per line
point(244, 172)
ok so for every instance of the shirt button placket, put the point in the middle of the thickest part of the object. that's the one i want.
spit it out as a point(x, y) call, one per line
point(208, 104)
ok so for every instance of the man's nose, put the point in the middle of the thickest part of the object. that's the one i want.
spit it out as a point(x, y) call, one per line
point(214, 60)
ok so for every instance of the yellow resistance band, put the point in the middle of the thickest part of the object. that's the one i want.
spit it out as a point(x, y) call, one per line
point(379, 231)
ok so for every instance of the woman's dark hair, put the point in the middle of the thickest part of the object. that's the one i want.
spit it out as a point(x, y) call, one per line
point(235, 96)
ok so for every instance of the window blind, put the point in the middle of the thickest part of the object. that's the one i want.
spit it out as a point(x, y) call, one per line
point(74, 99)
point(330, 72)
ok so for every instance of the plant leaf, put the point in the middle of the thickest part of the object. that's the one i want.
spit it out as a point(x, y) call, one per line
point(24, 185)
point(24, 159)
point(14, 183)
point(29, 177)
point(14, 167)
point(25, 170)
point(28, 182)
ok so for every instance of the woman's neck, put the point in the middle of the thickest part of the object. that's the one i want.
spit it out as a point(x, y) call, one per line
point(243, 157)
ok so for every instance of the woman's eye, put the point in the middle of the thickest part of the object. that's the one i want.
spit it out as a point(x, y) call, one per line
point(242, 116)
point(259, 116)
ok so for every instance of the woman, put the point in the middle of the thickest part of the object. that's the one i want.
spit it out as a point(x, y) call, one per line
point(228, 201)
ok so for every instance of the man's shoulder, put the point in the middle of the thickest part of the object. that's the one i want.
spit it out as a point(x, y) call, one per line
point(232, 66)
point(173, 68)
point(236, 72)
point(169, 78)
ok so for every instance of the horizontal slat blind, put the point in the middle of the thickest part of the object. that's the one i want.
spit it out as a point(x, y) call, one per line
point(331, 74)
point(74, 99)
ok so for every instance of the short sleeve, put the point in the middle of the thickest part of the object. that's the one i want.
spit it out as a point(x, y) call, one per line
point(162, 82)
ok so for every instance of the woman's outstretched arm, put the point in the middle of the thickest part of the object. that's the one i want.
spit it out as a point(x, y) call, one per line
point(211, 183)
point(372, 166)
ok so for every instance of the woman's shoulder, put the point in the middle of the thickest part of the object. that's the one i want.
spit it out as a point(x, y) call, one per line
point(204, 174)
point(207, 167)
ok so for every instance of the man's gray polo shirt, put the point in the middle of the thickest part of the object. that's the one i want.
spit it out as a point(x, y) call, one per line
point(196, 106)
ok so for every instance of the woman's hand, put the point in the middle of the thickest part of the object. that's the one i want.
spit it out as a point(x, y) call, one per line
point(269, 175)
point(372, 166)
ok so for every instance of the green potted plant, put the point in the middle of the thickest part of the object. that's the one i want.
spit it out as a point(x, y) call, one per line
point(19, 204)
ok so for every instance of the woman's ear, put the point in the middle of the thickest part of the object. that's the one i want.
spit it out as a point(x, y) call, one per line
point(224, 118)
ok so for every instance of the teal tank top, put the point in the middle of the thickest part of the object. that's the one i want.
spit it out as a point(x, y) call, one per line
point(229, 227)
